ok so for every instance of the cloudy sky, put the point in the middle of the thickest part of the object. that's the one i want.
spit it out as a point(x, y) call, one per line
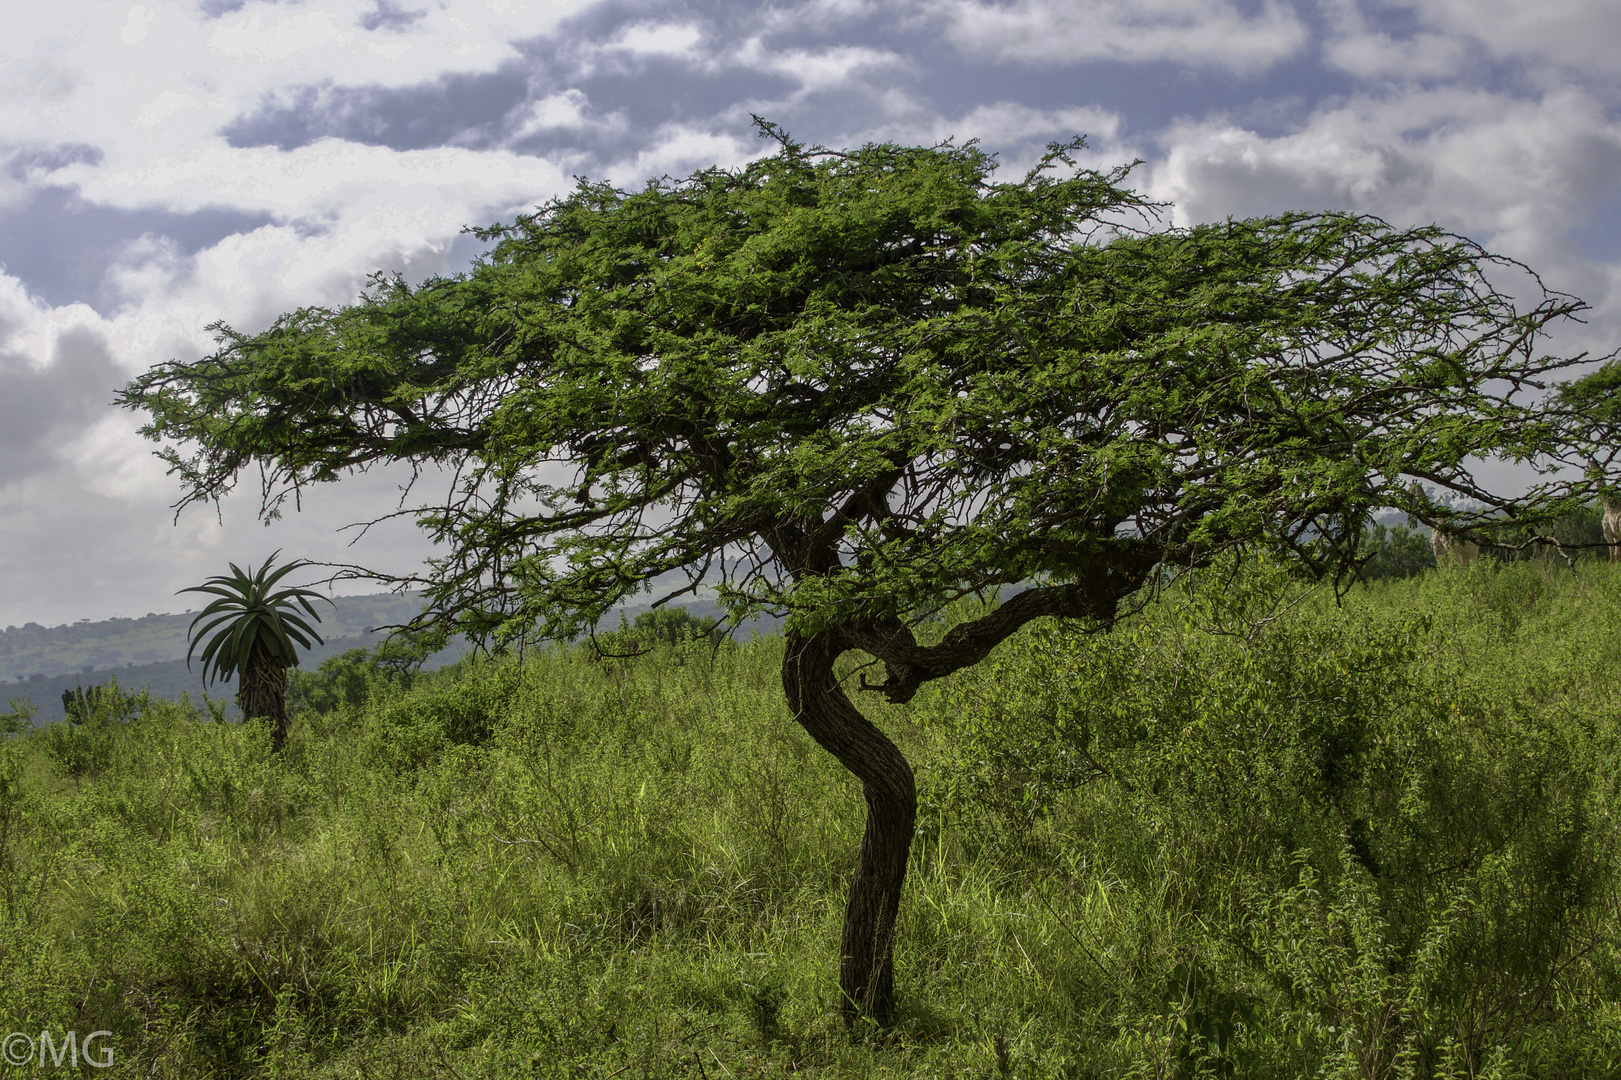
point(170, 163)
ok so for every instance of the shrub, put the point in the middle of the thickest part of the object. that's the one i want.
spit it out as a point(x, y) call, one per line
point(350, 678)
point(1414, 855)
point(1396, 551)
point(84, 742)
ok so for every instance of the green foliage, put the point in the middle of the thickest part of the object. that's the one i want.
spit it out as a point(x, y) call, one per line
point(1401, 821)
point(251, 615)
point(20, 718)
point(1396, 551)
point(1202, 1019)
point(1596, 397)
point(107, 702)
point(87, 739)
point(858, 384)
point(416, 725)
point(349, 679)
point(672, 626)
point(1250, 834)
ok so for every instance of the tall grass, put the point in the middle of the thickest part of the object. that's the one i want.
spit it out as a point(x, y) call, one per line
point(1250, 833)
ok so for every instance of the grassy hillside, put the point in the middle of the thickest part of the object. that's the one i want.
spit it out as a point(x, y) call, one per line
point(1251, 833)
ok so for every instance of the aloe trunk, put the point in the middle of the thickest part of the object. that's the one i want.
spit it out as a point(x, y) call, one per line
point(263, 692)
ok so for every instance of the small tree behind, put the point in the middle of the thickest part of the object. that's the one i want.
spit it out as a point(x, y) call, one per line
point(1395, 551)
point(257, 632)
point(851, 387)
point(20, 717)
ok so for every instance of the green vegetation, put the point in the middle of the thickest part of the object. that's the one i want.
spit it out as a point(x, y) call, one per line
point(1403, 550)
point(19, 716)
point(856, 386)
point(1249, 833)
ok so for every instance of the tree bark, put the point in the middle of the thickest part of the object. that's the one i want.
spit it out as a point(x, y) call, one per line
point(262, 691)
point(866, 958)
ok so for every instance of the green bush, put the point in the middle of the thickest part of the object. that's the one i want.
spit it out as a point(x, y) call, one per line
point(86, 740)
point(349, 679)
point(1395, 551)
point(412, 723)
point(1415, 853)
point(671, 626)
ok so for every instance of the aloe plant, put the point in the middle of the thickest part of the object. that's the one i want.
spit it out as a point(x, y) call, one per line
point(256, 635)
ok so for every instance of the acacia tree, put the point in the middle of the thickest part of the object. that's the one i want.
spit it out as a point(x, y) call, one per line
point(851, 387)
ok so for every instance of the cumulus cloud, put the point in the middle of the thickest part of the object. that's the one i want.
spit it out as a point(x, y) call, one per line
point(1580, 34)
point(320, 181)
point(1202, 33)
point(1512, 171)
point(57, 374)
point(815, 70)
point(561, 110)
point(658, 39)
point(1357, 46)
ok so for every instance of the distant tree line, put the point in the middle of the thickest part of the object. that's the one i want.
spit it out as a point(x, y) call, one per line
point(1402, 550)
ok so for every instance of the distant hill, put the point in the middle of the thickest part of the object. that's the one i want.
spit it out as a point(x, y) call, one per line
point(41, 662)
point(35, 652)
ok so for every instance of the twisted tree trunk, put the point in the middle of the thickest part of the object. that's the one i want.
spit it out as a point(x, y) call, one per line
point(866, 968)
point(262, 691)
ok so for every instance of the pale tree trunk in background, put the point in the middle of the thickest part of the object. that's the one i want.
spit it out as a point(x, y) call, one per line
point(866, 965)
point(263, 692)
point(1611, 524)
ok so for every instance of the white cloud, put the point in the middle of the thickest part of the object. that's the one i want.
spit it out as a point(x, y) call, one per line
point(1355, 47)
point(815, 71)
point(1201, 33)
point(680, 149)
point(167, 103)
point(136, 24)
point(324, 179)
point(562, 110)
point(1580, 34)
point(1370, 55)
point(107, 72)
point(659, 39)
point(1516, 172)
point(263, 33)
point(33, 331)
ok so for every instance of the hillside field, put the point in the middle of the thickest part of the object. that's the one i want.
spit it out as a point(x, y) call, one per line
point(1251, 832)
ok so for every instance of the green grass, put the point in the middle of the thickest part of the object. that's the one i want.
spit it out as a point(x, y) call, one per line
point(1249, 833)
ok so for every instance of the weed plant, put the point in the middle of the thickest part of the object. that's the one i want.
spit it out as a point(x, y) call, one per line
point(1252, 832)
